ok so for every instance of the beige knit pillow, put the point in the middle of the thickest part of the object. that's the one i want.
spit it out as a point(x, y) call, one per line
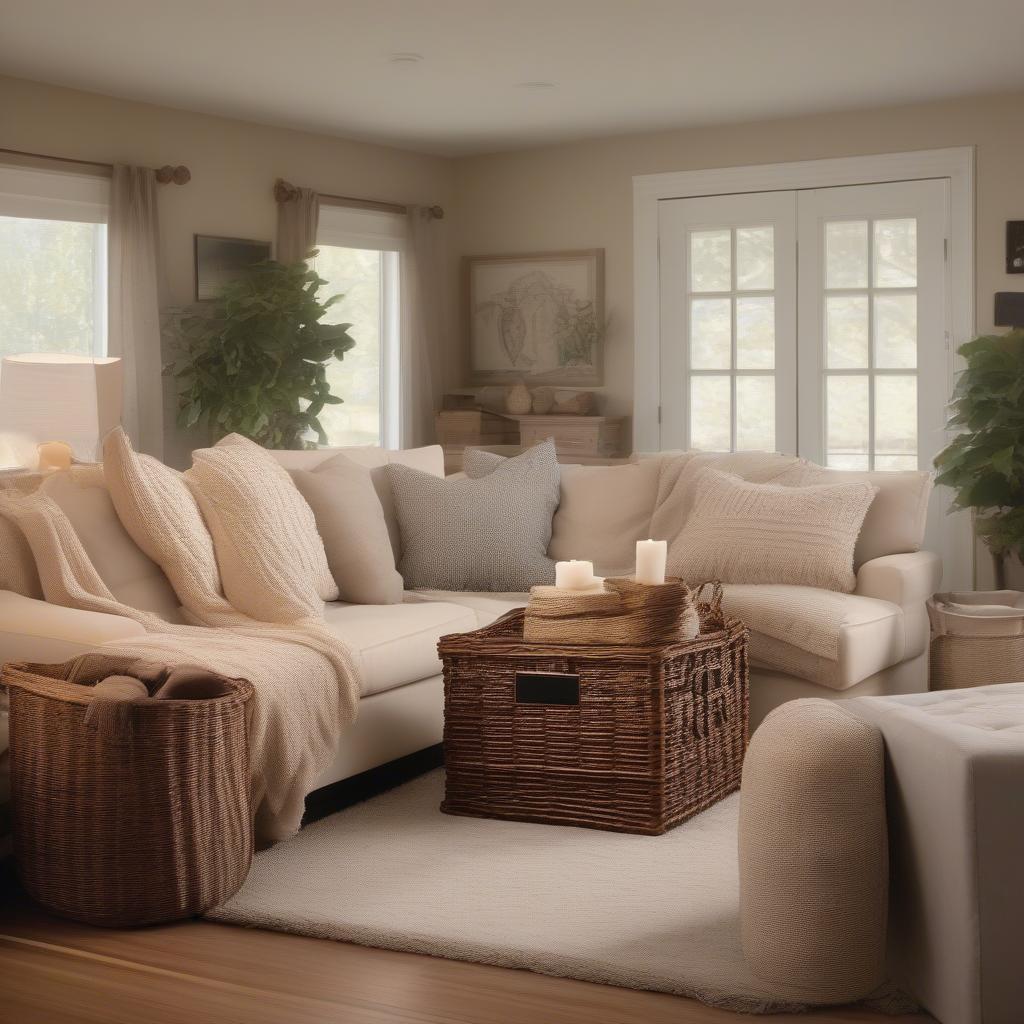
point(350, 519)
point(740, 532)
point(271, 558)
point(157, 509)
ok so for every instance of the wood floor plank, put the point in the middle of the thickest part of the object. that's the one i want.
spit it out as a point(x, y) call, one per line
point(197, 971)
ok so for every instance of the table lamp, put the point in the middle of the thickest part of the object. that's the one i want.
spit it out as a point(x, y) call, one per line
point(64, 404)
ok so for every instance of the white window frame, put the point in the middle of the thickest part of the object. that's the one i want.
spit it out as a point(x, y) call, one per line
point(40, 194)
point(387, 233)
point(955, 164)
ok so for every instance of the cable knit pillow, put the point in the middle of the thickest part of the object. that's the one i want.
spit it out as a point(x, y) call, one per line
point(487, 534)
point(740, 532)
point(271, 558)
point(350, 519)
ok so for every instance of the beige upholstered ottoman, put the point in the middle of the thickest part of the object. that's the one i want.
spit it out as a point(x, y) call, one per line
point(955, 761)
point(813, 855)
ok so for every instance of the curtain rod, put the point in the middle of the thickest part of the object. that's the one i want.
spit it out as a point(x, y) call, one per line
point(164, 175)
point(284, 191)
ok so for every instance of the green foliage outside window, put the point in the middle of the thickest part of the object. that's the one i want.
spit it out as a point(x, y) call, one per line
point(254, 360)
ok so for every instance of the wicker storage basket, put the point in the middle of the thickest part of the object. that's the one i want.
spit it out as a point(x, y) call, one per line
point(628, 739)
point(972, 648)
point(149, 824)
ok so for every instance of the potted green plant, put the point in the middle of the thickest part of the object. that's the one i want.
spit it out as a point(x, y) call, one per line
point(253, 361)
point(984, 464)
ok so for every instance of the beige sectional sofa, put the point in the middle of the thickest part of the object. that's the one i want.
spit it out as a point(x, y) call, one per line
point(882, 626)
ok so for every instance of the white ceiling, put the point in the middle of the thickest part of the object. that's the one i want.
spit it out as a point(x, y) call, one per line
point(617, 65)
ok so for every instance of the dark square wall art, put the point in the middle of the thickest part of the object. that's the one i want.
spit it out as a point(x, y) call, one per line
point(221, 260)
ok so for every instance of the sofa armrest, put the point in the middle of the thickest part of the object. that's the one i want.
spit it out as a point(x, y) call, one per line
point(905, 580)
point(32, 630)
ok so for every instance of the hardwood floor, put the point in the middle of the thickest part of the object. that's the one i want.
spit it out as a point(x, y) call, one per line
point(203, 973)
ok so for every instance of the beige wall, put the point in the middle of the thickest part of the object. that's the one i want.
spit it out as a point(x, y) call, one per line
point(233, 166)
point(580, 195)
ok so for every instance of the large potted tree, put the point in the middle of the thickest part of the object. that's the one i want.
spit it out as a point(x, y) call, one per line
point(984, 464)
point(253, 361)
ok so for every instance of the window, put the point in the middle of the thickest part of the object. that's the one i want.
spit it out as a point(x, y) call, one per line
point(360, 259)
point(53, 262)
point(833, 349)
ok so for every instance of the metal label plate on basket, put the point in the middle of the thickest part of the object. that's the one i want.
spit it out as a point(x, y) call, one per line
point(547, 688)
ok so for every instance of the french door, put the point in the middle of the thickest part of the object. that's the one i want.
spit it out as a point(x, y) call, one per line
point(812, 322)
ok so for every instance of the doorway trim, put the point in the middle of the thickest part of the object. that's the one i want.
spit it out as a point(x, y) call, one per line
point(955, 164)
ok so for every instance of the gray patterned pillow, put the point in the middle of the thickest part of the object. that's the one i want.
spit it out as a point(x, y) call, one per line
point(489, 534)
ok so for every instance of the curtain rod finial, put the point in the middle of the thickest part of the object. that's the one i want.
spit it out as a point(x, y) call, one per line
point(437, 212)
point(180, 175)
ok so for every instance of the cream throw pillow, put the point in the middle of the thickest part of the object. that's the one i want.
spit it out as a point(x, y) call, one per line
point(740, 532)
point(350, 519)
point(160, 514)
point(271, 558)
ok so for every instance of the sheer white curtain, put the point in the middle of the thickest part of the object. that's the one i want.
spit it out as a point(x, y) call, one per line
point(133, 312)
point(298, 214)
point(422, 285)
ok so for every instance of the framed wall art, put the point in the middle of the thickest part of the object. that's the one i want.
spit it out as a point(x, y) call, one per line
point(537, 317)
point(220, 260)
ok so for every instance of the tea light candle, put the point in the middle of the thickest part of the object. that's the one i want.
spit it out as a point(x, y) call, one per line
point(651, 556)
point(575, 575)
point(54, 455)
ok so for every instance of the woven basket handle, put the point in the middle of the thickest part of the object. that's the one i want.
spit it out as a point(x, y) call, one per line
point(710, 609)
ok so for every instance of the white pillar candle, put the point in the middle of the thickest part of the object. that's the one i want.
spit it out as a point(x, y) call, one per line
point(575, 575)
point(651, 556)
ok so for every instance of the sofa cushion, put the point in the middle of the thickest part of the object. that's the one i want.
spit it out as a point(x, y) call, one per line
point(350, 520)
point(602, 511)
point(129, 574)
point(485, 606)
point(828, 638)
point(897, 518)
point(741, 532)
point(271, 558)
point(486, 534)
point(396, 644)
point(427, 460)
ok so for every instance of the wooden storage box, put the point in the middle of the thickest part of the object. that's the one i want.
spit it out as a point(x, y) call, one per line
point(628, 739)
point(475, 427)
point(594, 436)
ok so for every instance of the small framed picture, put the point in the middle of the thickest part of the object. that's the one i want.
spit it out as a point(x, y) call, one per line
point(537, 317)
point(221, 260)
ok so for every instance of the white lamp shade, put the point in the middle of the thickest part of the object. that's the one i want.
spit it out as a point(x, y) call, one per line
point(50, 397)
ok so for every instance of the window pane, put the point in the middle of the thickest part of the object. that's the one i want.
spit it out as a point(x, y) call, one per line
point(755, 414)
point(710, 413)
point(846, 432)
point(710, 261)
point(711, 334)
point(846, 332)
point(895, 253)
point(896, 331)
point(52, 286)
point(755, 258)
point(895, 415)
point(755, 333)
point(846, 254)
point(893, 463)
point(355, 273)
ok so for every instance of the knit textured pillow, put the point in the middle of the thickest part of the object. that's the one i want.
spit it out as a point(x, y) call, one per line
point(271, 558)
point(740, 532)
point(490, 534)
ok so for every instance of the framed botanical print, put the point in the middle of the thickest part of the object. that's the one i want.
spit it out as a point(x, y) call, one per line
point(537, 317)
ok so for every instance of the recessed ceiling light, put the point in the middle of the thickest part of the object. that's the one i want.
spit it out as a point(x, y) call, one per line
point(405, 58)
point(535, 85)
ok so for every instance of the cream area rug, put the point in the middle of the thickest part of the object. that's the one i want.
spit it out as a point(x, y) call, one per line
point(643, 912)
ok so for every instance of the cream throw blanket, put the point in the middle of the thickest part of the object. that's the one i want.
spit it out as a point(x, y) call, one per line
point(305, 680)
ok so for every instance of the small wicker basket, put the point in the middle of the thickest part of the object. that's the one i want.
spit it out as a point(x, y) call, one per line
point(977, 639)
point(627, 739)
point(147, 825)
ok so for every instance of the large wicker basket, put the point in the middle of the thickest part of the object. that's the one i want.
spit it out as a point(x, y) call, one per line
point(976, 649)
point(628, 739)
point(149, 824)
